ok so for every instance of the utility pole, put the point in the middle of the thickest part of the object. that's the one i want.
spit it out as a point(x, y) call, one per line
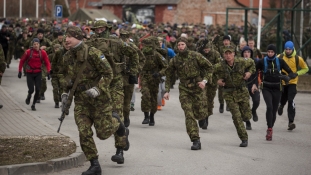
point(251, 11)
point(259, 24)
point(4, 8)
point(20, 8)
point(67, 5)
point(37, 9)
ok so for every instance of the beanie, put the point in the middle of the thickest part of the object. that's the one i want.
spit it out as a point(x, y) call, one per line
point(271, 47)
point(35, 40)
point(40, 31)
point(182, 39)
point(247, 48)
point(289, 45)
point(226, 37)
point(75, 32)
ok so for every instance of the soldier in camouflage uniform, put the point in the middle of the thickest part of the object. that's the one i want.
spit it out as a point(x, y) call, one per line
point(2, 63)
point(213, 57)
point(21, 46)
point(231, 74)
point(59, 39)
point(45, 44)
point(194, 72)
point(11, 44)
point(256, 51)
point(150, 75)
point(92, 98)
point(56, 63)
point(128, 80)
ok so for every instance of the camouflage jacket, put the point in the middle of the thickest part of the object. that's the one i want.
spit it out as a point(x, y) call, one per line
point(155, 63)
point(2, 60)
point(141, 56)
point(57, 61)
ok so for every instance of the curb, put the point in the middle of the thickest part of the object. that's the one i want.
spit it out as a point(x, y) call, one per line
point(54, 165)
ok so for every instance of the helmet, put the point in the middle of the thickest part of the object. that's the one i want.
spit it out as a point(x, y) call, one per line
point(99, 24)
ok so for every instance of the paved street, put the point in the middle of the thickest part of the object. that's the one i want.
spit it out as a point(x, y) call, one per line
point(165, 148)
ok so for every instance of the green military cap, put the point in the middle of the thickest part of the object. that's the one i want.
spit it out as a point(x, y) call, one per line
point(228, 49)
point(75, 32)
point(208, 45)
point(147, 42)
point(182, 39)
point(99, 24)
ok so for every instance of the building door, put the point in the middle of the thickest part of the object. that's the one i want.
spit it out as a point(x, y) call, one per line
point(208, 20)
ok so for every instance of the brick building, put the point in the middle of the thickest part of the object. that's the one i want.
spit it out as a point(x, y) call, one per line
point(180, 11)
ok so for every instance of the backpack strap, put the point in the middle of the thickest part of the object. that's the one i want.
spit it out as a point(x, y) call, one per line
point(277, 60)
point(297, 62)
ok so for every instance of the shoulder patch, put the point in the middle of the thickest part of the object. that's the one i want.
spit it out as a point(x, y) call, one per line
point(102, 57)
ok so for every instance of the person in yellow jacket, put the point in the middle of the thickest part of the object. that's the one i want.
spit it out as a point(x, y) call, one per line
point(295, 62)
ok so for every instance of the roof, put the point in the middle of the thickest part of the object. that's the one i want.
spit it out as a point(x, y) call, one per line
point(84, 14)
point(139, 2)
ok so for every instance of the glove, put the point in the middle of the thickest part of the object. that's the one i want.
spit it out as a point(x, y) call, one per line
point(19, 74)
point(49, 77)
point(285, 78)
point(292, 75)
point(133, 79)
point(93, 92)
point(64, 98)
point(156, 75)
point(51, 72)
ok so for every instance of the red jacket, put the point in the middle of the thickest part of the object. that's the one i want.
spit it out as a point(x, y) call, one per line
point(35, 62)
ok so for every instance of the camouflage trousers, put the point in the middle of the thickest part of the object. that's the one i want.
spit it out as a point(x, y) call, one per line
point(238, 103)
point(220, 95)
point(149, 91)
point(210, 93)
point(97, 112)
point(43, 83)
point(117, 95)
point(194, 103)
point(57, 88)
point(128, 93)
point(10, 55)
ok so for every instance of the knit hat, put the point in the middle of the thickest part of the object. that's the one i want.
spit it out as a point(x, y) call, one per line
point(271, 47)
point(40, 31)
point(182, 39)
point(75, 32)
point(289, 45)
point(247, 48)
point(35, 40)
point(226, 37)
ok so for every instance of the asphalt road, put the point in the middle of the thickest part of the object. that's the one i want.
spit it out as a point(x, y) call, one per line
point(165, 147)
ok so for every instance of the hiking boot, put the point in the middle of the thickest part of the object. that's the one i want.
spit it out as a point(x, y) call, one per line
point(280, 110)
point(269, 134)
point(291, 126)
point(33, 107)
point(151, 122)
point(94, 168)
point(28, 99)
point(146, 119)
point(255, 116)
point(196, 145)
point(227, 108)
point(127, 133)
point(127, 121)
point(56, 105)
point(248, 125)
point(121, 130)
point(221, 108)
point(42, 97)
point(244, 143)
point(118, 157)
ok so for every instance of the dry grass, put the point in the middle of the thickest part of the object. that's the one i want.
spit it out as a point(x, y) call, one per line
point(29, 149)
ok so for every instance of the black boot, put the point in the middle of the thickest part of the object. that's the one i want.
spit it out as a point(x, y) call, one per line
point(201, 123)
point(205, 124)
point(227, 108)
point(121, 130)
point(221, 108)
point(151, 122)
point(56, 105)
point(280, 110)
point(42, 97)
point(94, 168)
point(244, 143)
point(28, 99)
point(127, 133)
point(1, 106)
point(146, 120)
point(33, 107)
point(38, 100)
point(248, 125)
point(118, 157)
point(127, 121)
point(255, 116)
point(196, 145)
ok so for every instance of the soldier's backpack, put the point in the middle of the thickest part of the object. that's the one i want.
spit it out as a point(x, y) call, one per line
point(277, 64)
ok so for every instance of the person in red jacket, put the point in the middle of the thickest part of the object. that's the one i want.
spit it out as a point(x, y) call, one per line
point(34, 58)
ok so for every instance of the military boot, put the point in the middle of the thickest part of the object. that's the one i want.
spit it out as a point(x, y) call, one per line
point(227, 108)
point(33, 107)
point(121, 130)
point(151, 122)
point(221, 108)
point(196, 145)
point(127, 133)
point(94, 168)
point(201, 123)
point(248, 125)
point(244, 143)
point(42, 97)
point(146, 120)
point(56, 105)
point(127, 121)
point(38, 100)
point(28, 99)
point(118, 157)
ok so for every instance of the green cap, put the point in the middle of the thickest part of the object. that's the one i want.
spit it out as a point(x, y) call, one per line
point(228, 49)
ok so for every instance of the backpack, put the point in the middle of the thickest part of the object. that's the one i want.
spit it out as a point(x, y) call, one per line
point(296, 60)
point(31, 52)
point(266, 64)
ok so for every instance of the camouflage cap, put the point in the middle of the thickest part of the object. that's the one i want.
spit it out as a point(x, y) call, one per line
point(182, 39)
point(228, 49)
point(147, 42)
point(75, 32)
point(208, 45)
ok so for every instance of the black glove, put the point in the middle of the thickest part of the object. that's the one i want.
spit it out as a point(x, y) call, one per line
point(49, 77)
point(285, 78)
point(19, 74)
point(51, 72)
point(156, 75)
point(292, 75)
point(133, 79)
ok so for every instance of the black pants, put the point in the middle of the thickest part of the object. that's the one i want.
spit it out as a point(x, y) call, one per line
point(34, 83)
point(256, 100)
point(289, 93)
point(272, 100)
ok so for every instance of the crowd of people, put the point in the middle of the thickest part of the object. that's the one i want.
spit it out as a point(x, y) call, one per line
point(99, 64)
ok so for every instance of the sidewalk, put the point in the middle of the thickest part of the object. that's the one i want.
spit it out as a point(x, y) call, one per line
point(16, 121)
